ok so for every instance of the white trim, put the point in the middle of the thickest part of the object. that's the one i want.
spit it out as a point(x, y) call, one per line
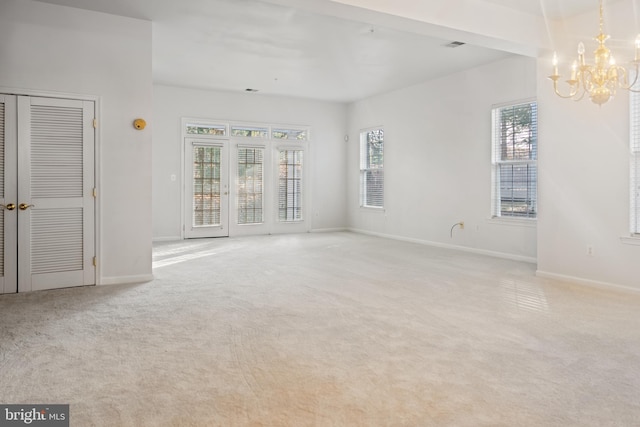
point(47, 94)
point(586, 282)
point(271, 147)
point(362, 141)
point(512, 257)
point(167, 239)
point(630, 240)
point(513, 222)
point(497, 161)
point(97, 154)
point(123, 280)
point(379, 209)
point(516, 102)
point(328, 230)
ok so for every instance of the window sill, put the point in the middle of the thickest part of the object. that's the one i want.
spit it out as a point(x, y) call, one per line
point(514, 222)
point(631, 240)
point(371, 209)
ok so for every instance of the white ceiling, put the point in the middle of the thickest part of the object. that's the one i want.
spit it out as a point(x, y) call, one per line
point(238, 44)
point(552, 9)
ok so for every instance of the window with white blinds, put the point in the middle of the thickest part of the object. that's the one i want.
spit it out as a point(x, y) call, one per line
point(635, 164)
point(250, 185)
point(372, 168)
point(290, 185)
point(206, 185)
point(514, 160)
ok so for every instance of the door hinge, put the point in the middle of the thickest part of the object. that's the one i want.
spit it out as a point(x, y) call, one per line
point(95, 192)
point(95, 123)
point(95, 261)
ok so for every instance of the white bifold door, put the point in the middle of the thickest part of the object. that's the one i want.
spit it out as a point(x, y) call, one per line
point(47, 205)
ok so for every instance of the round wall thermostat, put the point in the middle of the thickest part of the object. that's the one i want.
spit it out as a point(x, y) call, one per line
point(139, 124)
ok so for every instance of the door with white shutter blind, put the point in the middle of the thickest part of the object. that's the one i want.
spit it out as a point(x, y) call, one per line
point(52, 207)
point(206, 189)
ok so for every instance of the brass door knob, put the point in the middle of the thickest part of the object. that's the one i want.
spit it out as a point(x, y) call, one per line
point(24, 206)
point(9, 207)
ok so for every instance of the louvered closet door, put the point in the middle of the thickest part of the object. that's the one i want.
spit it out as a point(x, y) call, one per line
point(8, 190)
point(55, 201)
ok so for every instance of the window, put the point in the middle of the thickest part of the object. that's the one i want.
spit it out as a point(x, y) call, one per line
point(635, 163)
point(290, 185)
point(204, 129)
point(250, 185)
point(372, 168)
point(514, 160)
point(295, 134)
point(249, 131)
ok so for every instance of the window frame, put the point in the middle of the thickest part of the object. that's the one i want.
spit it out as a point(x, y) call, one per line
point(365, 168)
point(271, 146)
point(237, 195)
point(303, 180)
point(497, 163)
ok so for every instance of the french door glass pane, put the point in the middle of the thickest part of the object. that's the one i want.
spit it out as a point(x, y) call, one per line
point(206, 186)
point(290, 186)
point(250, 185)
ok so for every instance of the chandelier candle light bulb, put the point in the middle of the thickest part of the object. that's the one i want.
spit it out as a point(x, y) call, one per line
point(600, 80)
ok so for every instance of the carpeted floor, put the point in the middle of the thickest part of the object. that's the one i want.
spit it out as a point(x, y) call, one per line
point(334, 329)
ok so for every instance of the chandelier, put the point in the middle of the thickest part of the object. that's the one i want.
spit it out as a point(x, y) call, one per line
point(603, 78)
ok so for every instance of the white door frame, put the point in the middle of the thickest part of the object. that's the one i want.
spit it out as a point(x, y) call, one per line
point(271, 148)
point(97, 169)
point(222, 230)
point(267, 188)
point(9, 282)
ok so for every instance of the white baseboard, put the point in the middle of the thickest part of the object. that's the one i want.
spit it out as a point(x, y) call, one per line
point(122, 280)
point(494, 254)
point(585, 282)
point(167, 239)
point(328, 230)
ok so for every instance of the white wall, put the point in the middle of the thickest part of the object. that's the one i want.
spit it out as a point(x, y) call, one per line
point(327, 147)
point(59, 49)
point(437, 159)
point(584, 169)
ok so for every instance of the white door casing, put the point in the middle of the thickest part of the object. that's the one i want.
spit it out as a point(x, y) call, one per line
point(206, 188)
point(49, 238)
point(8, 194)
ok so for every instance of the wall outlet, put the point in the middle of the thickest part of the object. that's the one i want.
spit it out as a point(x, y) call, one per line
point(590, 251)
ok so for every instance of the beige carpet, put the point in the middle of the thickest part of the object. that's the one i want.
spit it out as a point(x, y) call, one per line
point(332, 329)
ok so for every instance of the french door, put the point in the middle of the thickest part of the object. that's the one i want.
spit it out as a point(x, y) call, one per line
point(47, 208)
point(207, 188)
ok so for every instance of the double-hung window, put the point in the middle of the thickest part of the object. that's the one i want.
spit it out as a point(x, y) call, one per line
point(372, 168)
point(514, 160)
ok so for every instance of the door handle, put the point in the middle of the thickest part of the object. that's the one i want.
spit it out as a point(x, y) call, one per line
point(24, 206)
point(9, 207)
